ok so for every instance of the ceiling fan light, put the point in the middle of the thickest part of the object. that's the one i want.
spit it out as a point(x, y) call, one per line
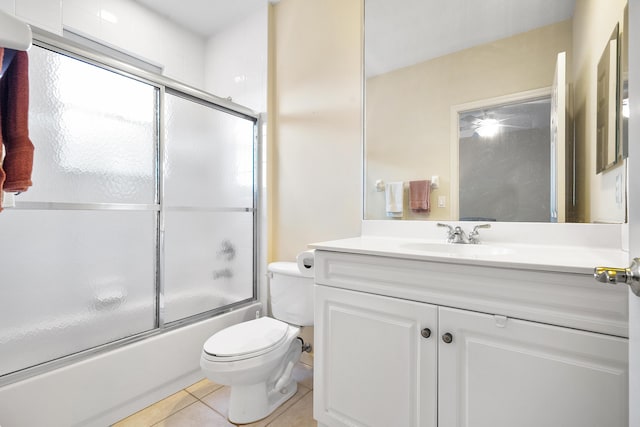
point(488, 128)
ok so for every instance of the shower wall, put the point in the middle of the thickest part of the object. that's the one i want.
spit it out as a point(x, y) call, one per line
point(142, 215)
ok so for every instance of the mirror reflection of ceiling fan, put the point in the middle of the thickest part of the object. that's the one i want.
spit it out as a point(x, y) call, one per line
point(489, 121)
point(488, 125)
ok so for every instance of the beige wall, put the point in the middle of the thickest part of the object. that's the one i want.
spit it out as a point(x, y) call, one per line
point(314, 159)
point(408, 114)
point(593, 22)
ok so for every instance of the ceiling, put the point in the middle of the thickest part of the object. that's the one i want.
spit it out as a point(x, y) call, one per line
point(204, 17)
point(400, 33)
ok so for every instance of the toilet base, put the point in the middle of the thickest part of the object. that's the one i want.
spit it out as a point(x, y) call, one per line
point(250, 403)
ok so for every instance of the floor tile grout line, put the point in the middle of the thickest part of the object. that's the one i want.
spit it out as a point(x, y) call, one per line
point(173, 413)
point(207, 394)
point(211, 407)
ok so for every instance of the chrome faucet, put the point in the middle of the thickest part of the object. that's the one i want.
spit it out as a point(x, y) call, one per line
point(457, 234)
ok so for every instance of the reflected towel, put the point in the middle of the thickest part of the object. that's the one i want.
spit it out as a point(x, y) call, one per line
point(2, 174)
point(419, 195)
point(14, 114)
point(394, 199)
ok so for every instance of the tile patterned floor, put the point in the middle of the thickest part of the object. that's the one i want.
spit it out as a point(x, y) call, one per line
point(205, 404)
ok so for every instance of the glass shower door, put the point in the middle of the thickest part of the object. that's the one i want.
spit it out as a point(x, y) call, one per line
point(142, 213)
point(209, 208)
point(77, 254)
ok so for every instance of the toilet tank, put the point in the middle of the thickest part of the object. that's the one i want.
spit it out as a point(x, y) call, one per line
point(291, 294)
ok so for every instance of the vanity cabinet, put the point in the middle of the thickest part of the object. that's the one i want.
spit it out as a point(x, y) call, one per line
point(384, 358)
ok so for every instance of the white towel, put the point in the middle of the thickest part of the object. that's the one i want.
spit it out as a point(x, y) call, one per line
point(8, 201)
point(394, 199)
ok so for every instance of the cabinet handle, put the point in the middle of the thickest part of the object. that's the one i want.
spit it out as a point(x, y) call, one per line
point(447, 338)
point(426, 333)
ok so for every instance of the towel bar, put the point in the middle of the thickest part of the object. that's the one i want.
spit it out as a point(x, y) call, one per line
point(435, 183)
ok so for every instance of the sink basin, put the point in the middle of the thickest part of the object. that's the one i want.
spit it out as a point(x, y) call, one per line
point(454, 249)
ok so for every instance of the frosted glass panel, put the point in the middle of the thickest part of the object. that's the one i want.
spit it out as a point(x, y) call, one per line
point(94, 133)
point(72, 280)
point(208, 261)
point(75, 277)
point(208, 156)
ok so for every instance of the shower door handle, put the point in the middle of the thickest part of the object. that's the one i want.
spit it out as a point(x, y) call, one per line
point(613, 276)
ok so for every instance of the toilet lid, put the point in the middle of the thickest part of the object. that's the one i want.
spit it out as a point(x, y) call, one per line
point(247, 337)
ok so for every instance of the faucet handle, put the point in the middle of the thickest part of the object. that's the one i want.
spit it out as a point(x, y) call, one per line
point(475, 229)
point(446, 225)
point(473, 236)
point(450, 231)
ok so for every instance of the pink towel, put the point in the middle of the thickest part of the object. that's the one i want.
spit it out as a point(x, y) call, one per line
point(419, 194)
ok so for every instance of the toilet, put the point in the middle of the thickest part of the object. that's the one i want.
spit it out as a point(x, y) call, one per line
point(256, 358)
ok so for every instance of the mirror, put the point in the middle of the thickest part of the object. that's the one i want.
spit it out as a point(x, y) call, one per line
point(436, 72)
point(607, 113)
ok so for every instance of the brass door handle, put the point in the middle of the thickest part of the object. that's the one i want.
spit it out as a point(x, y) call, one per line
point(613, 276)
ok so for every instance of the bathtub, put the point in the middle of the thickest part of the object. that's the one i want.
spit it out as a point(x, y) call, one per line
point(102, 389)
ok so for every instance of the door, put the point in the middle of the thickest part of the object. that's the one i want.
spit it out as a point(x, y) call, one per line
point(500, 372)
point(634, 208)
point(375, 362)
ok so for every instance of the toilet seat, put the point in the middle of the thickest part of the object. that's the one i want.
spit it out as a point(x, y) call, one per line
point(247, 339)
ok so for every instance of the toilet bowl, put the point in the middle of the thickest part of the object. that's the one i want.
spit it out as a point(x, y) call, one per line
point(256, 358)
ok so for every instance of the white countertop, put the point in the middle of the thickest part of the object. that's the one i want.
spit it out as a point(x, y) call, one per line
point(560, 258)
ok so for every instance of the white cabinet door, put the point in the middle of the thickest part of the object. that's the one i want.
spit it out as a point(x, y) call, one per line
point(373, 367)
point(500, 372)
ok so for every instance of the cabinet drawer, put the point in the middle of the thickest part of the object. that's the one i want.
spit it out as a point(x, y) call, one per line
point(563, 299)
